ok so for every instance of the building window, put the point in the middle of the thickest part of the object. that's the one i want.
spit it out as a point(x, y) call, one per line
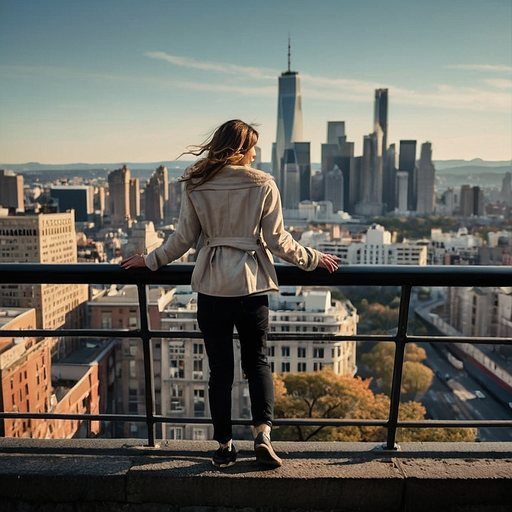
point(177, 399)
point(177, 369)
point(198, 369)
point(318, 353)
point(271, 351)
point(133, 369)
point(301, 352)
point(285, 351)
point(317, 366)
point(199, 404)
point(301, 367)
point(106, 320)
point(198, 348)
point(132, 322)
point(199, 434)
point(285, 367)
point(176, 433)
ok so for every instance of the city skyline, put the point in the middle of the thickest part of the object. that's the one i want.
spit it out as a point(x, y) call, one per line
point(125, 81)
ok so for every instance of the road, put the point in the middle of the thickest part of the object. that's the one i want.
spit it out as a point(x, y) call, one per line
point(456, 395)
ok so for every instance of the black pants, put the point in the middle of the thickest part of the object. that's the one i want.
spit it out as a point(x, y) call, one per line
point(216, 318)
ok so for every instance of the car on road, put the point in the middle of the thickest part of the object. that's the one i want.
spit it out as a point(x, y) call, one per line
point(479, 394)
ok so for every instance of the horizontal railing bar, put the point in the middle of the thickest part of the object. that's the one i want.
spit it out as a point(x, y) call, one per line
point(126, 333)
point(180, 274)
point(326, 422)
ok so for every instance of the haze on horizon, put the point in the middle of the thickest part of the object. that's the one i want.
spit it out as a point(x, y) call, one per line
point(126, 81)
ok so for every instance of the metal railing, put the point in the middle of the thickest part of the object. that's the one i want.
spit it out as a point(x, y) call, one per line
point(405, 277)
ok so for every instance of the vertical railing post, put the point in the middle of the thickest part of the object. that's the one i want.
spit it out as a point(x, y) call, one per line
point(149, 381)
point(396, 386)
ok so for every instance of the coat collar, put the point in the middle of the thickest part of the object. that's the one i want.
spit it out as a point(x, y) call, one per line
point(236, 176)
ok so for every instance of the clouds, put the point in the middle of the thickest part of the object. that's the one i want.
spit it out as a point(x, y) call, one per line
point(482, 67)
point(478, 94)
point(219, 67)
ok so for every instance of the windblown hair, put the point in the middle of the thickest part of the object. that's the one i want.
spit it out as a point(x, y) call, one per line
point(227, 146)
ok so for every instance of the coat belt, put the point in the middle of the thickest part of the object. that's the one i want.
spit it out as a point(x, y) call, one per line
point(244, 243)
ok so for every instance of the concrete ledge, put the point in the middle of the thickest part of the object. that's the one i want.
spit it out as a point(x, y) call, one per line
point(99, 475)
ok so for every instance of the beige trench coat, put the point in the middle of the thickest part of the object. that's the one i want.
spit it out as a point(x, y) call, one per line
point(239, 214)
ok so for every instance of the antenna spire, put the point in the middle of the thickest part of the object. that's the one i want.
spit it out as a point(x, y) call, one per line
point(289, 54)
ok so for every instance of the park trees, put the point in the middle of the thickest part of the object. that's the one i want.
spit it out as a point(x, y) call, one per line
point(325, 395)
point(416, 377)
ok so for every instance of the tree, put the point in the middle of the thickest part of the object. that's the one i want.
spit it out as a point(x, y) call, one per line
point(413, 411)
point(324, 394)
point(416, 377)
point(327, 395)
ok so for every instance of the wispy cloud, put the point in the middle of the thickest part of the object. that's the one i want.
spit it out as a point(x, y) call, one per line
point(482, 67)
point(342, 89)
point(220, 67)
point(499, 83)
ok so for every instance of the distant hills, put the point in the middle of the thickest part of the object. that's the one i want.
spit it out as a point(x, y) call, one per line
point(472, 167)
point(146, 166)
point(442, 165)
point(457, 167)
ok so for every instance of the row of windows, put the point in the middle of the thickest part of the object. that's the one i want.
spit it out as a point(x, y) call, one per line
point(18, 232)
point(297, 318)
point(304, 328)
point(301, 367)
point(318, 353)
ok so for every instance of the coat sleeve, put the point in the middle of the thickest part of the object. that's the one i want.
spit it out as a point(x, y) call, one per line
point(279, 241)
point(178, 243)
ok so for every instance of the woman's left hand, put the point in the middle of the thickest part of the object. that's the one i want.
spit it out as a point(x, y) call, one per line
point(329, 262)
point(137, 260)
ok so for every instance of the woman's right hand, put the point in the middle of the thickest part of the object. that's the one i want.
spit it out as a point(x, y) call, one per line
point(329, 262)
point(137, 260)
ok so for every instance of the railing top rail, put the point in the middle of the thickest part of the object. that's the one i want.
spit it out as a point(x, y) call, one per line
point(179, 274)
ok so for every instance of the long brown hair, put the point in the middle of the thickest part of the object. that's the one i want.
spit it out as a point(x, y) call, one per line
point(227, 146)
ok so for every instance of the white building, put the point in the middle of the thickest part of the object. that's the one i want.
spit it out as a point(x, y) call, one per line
point(376, 248)
point(297, 311)
point(183, 366)
point(314, 211)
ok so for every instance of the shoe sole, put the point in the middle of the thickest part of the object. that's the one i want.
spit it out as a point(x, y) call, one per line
point(266, 456)
point(229, 464)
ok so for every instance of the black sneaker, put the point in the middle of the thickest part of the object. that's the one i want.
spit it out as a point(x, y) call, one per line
point(265, 454)
point(224, 457)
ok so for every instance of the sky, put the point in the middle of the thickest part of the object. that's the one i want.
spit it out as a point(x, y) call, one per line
point(103, 81)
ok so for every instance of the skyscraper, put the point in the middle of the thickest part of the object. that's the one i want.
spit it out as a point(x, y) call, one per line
point(407, 163)
point(119, 195)
point(338, 153)
point(380, 117)
point(75, 197)
point(289, 131)
point(156, 195)
point(370, 176)
point(11, 190)
point(471, 201)
point(389, 178)
point(426, 181)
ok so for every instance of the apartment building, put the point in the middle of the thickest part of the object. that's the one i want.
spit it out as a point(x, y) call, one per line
point(181, 365)
point(298, 311)
point(43, 238)
point(375, 248)
point(31, 383)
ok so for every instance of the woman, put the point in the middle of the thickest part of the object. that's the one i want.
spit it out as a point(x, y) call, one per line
point(237, 210)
